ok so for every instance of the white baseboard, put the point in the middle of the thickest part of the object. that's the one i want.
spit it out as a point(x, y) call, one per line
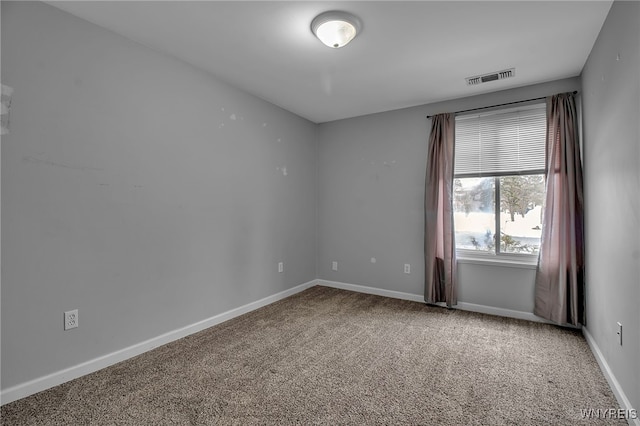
point(42, 383)
point(372, 290)
point(501, 312)
point(624, 402)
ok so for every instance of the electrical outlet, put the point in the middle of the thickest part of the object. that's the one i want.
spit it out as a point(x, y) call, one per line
point(71, 319)
point(281, 267)
point(619, 333)
point(334, 266)
point(407, 268)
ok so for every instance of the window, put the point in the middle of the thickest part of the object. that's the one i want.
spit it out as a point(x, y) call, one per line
point(499, 181)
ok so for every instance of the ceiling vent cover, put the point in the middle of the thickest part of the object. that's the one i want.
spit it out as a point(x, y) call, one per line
point(499, 75)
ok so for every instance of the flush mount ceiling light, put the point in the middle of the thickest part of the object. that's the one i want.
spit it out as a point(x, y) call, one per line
point(335, 28)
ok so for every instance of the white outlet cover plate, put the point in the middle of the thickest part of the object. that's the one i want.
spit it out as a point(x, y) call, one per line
point(619, 333)
point(71, 319)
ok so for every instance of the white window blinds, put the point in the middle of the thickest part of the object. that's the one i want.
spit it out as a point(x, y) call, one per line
point(505, 142)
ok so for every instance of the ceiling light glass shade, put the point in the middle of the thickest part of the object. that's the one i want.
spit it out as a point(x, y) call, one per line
point(335, 29)
point(336, 33)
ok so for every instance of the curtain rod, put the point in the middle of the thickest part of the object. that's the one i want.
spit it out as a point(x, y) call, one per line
point(499, 105)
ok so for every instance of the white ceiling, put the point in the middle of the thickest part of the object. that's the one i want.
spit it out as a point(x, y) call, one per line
point(407, 54)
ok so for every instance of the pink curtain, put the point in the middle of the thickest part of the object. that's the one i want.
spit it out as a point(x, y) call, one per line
point(439, 246)
point(559, 288)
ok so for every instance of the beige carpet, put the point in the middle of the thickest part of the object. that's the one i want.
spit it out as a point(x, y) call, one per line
point(328, 356)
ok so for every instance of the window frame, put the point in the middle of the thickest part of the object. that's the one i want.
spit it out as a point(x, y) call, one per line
point(521, 260)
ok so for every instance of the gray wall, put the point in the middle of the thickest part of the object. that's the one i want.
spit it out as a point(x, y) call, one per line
point(612, 195)
point(139, 190)
point(370, 203)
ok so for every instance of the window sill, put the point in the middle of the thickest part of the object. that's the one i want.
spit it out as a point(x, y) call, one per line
point(528, 262)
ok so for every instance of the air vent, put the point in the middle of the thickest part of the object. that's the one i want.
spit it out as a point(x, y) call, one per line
point(499, 75)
